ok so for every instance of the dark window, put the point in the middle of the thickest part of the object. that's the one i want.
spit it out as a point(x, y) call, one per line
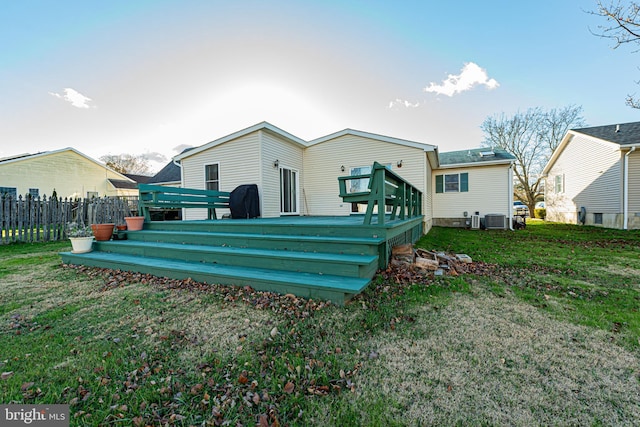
point(9, 191)
point(452, 183)
point(597, 218)
point(212, 177)
point(34, 192)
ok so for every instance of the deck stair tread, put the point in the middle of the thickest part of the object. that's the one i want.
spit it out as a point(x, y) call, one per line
point(351, 285)
point(286, 237)
point(245, 251)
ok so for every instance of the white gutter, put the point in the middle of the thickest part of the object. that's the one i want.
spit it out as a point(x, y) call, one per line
point(625, 184)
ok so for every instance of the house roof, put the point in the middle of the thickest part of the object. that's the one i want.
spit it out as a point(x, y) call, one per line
point(621, 134)
point(624, 136)
point(23, 157)
point(425, 147)
point(260, 126)
point(123, 184)
point(140, 179)
point(475, 157)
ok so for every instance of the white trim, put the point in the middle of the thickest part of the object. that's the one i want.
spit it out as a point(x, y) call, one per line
point(204, 170)
point(297, 189)
point(241, 133)
point(476, 164)
point(425, 147)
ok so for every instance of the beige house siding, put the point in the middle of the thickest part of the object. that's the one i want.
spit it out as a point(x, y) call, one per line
point(289, 155)
point(66, 171)
point(634, 183)
point(488, 194)
point(323, 162)
point(592, 175)
point(238, 161)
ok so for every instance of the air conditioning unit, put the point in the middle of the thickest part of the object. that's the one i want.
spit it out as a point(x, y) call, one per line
point(494, 221)
point(475, 221)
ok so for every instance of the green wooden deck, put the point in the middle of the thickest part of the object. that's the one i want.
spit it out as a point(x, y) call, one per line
point(332, 258)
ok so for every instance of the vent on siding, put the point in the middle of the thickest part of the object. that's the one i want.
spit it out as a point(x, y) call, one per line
point(494, 221)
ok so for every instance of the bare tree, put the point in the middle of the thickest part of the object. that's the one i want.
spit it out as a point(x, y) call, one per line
point(531, 137)
point(623, 27)
point(127, 163)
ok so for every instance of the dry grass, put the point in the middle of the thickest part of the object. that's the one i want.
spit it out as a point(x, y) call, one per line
point(498, 361)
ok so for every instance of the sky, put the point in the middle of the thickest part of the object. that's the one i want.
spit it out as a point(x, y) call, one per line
point(152, 77)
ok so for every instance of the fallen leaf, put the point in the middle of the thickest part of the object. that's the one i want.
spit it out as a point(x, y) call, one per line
point(288, 387)
point(242, 379)
point(264, 421)
point(6, 375)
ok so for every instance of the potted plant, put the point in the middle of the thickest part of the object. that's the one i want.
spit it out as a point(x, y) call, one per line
point(81, 237)
point(134, 223)
point(103, 231)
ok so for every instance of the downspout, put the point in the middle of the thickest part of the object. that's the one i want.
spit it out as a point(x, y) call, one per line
point(510, 206)
point(625, 225)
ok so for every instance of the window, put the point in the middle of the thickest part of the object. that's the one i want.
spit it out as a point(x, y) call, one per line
point(212, 177)
point(34, 192)
point(597, 218)
point(559, 184)
point(452, 183)
point(359, 185)
point(8, 191)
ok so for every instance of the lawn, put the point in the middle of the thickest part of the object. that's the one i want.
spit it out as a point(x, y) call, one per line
point(546, 333)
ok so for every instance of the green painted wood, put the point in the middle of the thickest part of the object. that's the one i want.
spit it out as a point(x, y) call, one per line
point(337, 289)
point(349, 265)
point(331, 244)
point(386, 188)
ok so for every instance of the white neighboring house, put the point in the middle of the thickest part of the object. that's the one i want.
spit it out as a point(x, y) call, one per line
point(296, 177)
point(593, 177)
point(67, 171)
point(468, 185)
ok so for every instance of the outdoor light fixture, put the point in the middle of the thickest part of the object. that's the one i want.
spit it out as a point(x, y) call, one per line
point(399, 163)
point(342, 168)
point(276, 163)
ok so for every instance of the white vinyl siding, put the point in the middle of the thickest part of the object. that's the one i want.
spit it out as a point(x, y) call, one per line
point(324, 161)
point(69, 173)
point(290, 156)
point(239, 163)
point(488, 193)
point(592, 178)
point(634, 183)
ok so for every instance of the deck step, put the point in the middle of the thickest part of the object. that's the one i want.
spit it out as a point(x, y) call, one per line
point(346, 245)
point(337, 289)
point(351, 265)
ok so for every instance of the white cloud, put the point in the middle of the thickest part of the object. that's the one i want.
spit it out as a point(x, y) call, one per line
point(403, 103)
point(470, 76)
point(73, 97)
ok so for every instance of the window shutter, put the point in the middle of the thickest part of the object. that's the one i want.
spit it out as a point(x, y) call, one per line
point(439, 184)
point(464, 182)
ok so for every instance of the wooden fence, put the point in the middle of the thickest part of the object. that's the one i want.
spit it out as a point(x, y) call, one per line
point(38, 219)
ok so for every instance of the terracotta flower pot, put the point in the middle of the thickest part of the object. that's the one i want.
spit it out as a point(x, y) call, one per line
point(102, 231)
point(134, 223)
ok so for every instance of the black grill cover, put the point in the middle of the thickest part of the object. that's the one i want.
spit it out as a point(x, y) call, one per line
point(244, 202)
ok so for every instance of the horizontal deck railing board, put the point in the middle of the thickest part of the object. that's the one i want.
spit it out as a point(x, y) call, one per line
point(385, 188)
point(161, 197)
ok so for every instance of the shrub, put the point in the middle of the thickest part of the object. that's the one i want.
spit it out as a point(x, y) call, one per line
point(540, 213)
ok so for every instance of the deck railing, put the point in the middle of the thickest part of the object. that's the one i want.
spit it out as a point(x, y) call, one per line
point(385, 188)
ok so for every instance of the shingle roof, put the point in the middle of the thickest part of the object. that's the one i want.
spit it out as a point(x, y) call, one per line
point(141, 179)
point(622, 134)
point(121, 183)
point(475, 155)
point(169, 173)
